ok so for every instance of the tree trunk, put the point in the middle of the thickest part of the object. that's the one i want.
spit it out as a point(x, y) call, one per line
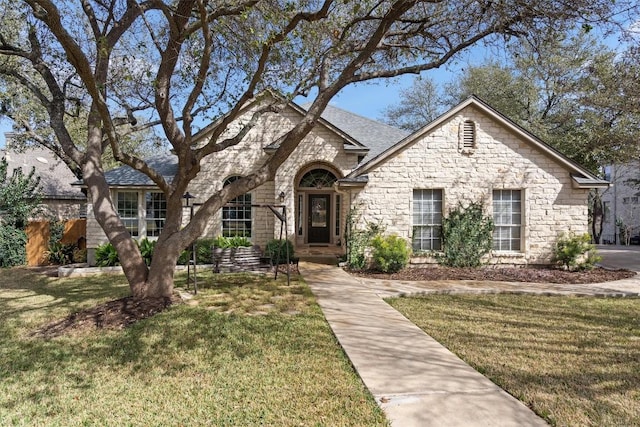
point(163, 266)
point(597, 216)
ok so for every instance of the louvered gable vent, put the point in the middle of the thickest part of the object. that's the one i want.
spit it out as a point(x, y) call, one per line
point(468, 135)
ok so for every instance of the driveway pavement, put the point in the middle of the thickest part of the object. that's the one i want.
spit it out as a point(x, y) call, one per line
point(616, 256)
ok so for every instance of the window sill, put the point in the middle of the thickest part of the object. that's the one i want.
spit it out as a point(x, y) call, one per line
point(508, 254)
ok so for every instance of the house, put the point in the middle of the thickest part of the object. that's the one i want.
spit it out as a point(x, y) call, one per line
point(60, 199)
point(406, 183)
point(621, 204)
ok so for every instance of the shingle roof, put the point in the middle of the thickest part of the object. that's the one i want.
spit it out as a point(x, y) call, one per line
point(372, 134)
point(55, 176)
point(166, 164)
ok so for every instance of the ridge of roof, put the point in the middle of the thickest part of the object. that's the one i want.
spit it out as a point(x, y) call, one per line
point(377, 136)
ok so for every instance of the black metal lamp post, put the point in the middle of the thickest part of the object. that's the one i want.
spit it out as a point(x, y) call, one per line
point(187, 197)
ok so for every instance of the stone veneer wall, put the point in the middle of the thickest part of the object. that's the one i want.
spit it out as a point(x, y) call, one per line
point(500, 161)
point(320, 146)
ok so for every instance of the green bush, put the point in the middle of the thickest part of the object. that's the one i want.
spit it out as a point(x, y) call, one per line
point(13, 246)
point(276, 249)
point(146, 249)
point(357, 241)
point(575, 252)
point(204, 250)
point(56, 231)
point(60, 253)
point(184, 258)
point(230, 242)
point(390, 253)
point(467, 236)
point(106, 256)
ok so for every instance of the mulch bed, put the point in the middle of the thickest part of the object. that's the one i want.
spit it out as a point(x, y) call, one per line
point(116, 314)
point(528, 274)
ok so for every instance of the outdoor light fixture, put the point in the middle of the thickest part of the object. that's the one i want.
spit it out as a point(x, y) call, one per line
point(282, 197)
point(187, 196)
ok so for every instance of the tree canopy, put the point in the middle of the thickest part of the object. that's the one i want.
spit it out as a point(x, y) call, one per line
point(565, 87)
point(19, 195)
point(179, 65)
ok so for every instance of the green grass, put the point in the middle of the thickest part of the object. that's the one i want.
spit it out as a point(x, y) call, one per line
point(246, 351)
point(574, 361)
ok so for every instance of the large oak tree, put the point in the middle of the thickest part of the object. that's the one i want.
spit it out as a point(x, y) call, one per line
point(180, 63)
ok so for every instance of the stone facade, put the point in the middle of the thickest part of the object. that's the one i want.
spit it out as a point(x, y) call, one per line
point(322, 148)
point(467, 154)
point(500, 160)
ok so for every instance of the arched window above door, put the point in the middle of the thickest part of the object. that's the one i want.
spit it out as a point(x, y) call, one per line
point(318, 178)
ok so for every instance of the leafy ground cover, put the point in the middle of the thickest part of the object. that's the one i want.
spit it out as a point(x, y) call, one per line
point(574, 361)
point(245, 351)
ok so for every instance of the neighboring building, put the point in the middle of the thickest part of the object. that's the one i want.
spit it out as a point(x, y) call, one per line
point(60, 199)
point(406, 183)
point(622, 204)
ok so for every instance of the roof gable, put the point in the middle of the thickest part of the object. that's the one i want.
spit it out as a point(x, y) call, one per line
point(581, 176)
point(376, 136)
point(351, 143)
point(55, 177)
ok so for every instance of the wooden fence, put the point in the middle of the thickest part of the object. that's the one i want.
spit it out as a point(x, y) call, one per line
point(75, 231)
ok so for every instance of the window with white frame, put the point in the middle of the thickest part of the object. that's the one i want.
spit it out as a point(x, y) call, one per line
point(127, 205)
point(427, 220)
point(507, 219)
point(156, 213)
point(236, 215)
point(142, 212)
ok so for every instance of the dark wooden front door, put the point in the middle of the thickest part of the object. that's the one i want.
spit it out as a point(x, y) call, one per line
point(319, 224)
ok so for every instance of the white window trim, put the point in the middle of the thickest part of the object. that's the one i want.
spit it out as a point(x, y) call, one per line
point(142, 210)
point(442, 209)
point(252, 230)
point(523, 221)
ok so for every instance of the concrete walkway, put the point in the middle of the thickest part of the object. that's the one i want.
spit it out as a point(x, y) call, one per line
point(415, 380)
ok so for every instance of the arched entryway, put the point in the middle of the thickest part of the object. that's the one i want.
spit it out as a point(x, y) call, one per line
point(318, 206)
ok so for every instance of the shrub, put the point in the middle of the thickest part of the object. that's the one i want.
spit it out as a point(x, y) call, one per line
point(60, 253)
point(390, 253)
point(184, 258)
point(13, 246)
point(146, 249)
point(357, 241)
point(56, 231)
point(575, 252)
point(276, 249)
point(467, 236)
point(79, 255)
point(204, 251)
point(106, 256)
point(230, 242)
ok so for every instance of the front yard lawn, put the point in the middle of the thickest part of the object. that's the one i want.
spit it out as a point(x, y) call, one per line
point(246, 351)
point(574, 361)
